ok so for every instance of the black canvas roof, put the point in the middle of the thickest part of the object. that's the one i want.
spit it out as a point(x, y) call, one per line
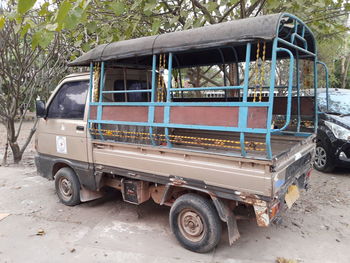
point(225, 34)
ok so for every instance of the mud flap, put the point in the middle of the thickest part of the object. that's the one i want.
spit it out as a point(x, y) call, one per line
point(227, 216)
point(88, 195)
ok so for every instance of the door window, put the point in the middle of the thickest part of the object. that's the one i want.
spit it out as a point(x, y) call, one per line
point(69, 102)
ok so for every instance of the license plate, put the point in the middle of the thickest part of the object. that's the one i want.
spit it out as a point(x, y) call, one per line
point(292, 195)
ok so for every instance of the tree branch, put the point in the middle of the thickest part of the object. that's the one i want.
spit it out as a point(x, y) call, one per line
point(204, 11)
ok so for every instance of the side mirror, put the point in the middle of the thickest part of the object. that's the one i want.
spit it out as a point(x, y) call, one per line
point(40, 109)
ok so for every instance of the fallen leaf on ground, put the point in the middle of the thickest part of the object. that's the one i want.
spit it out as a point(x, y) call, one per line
point(4, 215)
point(285, 260)
point(40, 232)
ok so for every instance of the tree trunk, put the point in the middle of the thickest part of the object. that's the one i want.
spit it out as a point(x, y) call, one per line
point(17, 154)
point(233, 79)
point(4, 158)
point(12, 140)
point(344, 72)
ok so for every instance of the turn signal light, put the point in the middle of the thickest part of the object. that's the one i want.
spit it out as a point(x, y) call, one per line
point(274, 210)
point(309, 173)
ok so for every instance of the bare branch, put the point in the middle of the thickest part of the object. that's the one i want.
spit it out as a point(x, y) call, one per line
point(228, 11)
point(32, 131)
point(204, 11)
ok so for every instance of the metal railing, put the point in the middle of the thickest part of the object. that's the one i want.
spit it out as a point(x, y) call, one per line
point(242, 127)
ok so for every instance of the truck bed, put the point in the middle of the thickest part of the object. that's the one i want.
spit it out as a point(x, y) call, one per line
point(208, 167)
point(280, 144)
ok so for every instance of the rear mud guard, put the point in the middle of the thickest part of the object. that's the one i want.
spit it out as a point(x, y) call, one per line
point(88, 195)
point(227, 216)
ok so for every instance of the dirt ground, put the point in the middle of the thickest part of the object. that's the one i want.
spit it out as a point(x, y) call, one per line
point(36, 227)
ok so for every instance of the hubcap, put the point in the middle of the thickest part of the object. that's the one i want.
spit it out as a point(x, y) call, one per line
point(320, 157)
point(191, 225)
point(65, 187)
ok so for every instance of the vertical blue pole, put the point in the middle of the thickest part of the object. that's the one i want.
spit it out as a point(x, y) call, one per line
point(243, 111)
point(271, 98)
point(90, 92)
point(168, 99)
point(298, 91)
point(315, 92)
point(170, 68)
point(153, 93)
point(303, 31)
point(100, 107)
point(295, 31)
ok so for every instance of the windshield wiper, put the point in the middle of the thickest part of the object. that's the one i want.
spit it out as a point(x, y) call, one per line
point(346, 114)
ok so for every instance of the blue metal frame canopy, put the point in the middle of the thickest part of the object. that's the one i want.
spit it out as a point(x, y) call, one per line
point(285, 35)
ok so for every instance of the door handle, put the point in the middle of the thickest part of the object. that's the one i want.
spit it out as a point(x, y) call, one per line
point(80, 128)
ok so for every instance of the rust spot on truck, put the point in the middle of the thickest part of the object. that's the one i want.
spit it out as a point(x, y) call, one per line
point(176, 181)
point(250, 199)
point(260, 207)
point(262, 215)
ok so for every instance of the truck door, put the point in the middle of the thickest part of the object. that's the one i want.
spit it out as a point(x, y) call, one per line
point(63, 133)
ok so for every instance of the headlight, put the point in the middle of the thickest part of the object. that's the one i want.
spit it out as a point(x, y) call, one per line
point(338, 131)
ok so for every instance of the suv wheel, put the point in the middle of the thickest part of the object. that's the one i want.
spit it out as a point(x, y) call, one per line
point(323, 158)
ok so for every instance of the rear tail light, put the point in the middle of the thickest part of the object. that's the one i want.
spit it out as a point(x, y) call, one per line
point(274, 210)
point(308, 174)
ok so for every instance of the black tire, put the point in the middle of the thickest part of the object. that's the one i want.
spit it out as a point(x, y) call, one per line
point(67, 186)
point(324, 158)
point(203, 230)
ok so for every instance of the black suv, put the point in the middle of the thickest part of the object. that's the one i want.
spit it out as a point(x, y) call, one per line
point(333, 134)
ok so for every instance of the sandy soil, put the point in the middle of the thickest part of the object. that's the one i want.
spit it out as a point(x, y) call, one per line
point(316, 229)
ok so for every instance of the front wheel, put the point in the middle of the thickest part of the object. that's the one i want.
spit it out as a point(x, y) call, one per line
point(323, 158)
point(67, 186)
point(195, 223)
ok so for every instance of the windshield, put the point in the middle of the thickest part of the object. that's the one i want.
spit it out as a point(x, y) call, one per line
point(339, 101)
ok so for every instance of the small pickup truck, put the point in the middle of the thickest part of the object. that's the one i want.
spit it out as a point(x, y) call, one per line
point(137, 122)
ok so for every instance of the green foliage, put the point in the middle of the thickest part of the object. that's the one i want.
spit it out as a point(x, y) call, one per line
point(25, 5)
point(117, 7)
point(150, 5)
point(85, 23)
point(2, 22)
point(211, 6)
point(155, 26)
point(63, 11)
point(42, 38)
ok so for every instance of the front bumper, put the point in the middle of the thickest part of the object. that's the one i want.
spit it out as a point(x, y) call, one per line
point(43, 166)
point(343, 154)
point(343, 157)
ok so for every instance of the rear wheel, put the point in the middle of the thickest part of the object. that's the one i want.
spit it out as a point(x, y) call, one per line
point(67, 186)
point(323, 158)
point(195, 223)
